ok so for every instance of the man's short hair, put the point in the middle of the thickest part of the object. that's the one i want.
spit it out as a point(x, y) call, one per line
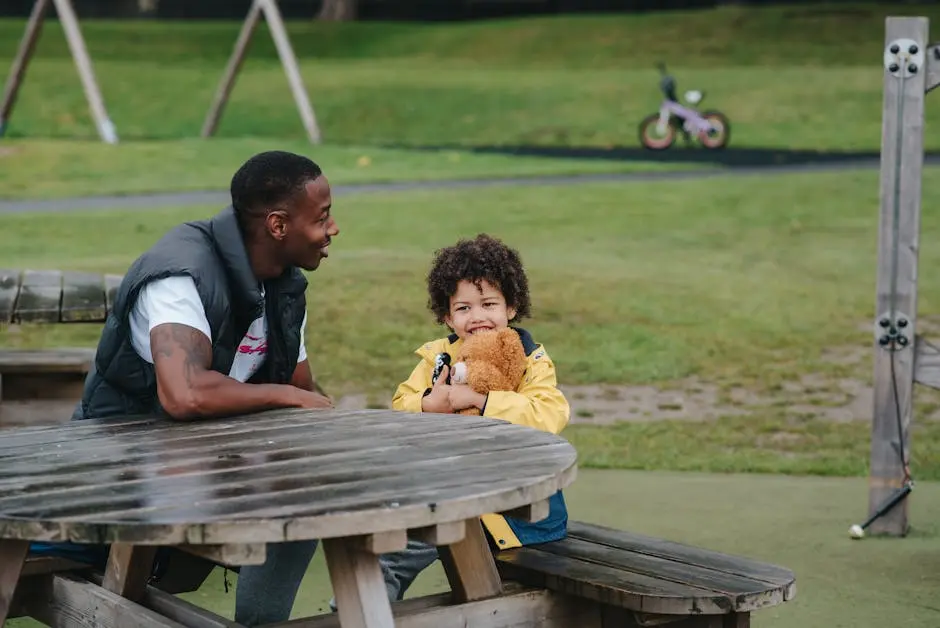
point(268, 181)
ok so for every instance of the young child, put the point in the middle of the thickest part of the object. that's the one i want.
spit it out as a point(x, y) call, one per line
point(475, 285)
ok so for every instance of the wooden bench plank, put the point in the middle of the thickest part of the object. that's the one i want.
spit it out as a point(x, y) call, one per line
point(44, 374)
point(179, 610)
point(9, 289)
point(39, 565)
point(77, 360)
point(83, 297)
point(111, 285)
point(40, 297)
point(680, 552)
point(517, 608)
point(65, 600)
point(600, 583)
point(647, 574)
point(53, 296)
point(636, 562)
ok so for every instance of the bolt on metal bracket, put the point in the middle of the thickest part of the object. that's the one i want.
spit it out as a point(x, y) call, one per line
point(893, 334)
point(904, 57)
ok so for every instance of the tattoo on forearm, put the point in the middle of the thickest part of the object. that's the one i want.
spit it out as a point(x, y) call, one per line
point(197, 353)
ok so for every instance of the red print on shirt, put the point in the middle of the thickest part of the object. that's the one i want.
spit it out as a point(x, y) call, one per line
point(259, 349)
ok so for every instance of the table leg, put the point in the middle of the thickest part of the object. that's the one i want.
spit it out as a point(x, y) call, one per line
point(737, 620)
point(470, 566)
point(129, 568)
point(358, 585)
point(12, 557)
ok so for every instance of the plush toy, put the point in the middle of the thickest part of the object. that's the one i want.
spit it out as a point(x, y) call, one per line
point(490, 360)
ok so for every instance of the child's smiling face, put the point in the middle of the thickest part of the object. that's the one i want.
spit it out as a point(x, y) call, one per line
point(474, 309)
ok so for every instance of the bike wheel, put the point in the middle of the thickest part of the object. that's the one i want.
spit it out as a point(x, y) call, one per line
point(650, 136)
point(721, 130)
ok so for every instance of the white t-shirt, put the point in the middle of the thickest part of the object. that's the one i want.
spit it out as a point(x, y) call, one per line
point(176, 300)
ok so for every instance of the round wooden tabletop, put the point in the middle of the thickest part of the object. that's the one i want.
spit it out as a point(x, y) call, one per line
point(269, 477)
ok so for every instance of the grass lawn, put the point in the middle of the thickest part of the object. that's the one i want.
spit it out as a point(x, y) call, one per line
point(748, 286)
point(66, 168)
point(788, 77)
point(800, 523)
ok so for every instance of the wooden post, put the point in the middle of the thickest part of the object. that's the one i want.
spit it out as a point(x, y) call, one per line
point(73, 34)
point(231, 70)
point(902, 159)
point(21, 61)
point(286, 52)
point(288, 61)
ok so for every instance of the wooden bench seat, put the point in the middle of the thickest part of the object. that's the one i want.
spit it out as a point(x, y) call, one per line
point(54, 296)
point(187, 573)
point(32, 377)
point(654, 581)
point(41, 386)
point(43, 373)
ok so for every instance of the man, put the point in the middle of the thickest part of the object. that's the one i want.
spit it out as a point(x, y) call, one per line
point(210, 322)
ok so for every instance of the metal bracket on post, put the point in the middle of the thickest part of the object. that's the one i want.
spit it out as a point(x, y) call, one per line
point(904, 57)
point(892, 331)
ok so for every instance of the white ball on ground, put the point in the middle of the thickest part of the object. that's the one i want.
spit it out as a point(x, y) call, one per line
point(856, 531)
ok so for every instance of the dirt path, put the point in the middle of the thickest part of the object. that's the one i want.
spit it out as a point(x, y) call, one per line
point(813, 395)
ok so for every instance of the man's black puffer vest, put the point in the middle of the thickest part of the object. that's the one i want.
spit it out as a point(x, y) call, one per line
point(212, 252)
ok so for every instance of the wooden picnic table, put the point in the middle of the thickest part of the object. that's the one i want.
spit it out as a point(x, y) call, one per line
point(361, 481)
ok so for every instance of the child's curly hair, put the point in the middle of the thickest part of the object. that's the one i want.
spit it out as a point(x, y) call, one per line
point(482, 258)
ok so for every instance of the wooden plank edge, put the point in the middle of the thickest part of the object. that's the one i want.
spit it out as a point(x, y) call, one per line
point(709, 603)
point(186, 613)
point(522, 608)
point(926, 362)
point(83, 297)
point(41, 295)
point(275, 530)
point(382, 542)
point(530, 512)
point(9, 292)
point(774, 592)
point(788, 577)
point(112, 283)
point(66, 600)
point(39, 565)
point(933, 67)
point(230, 554)
point(440, 534)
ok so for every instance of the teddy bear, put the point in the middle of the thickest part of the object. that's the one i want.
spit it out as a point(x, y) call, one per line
point(489, 360)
